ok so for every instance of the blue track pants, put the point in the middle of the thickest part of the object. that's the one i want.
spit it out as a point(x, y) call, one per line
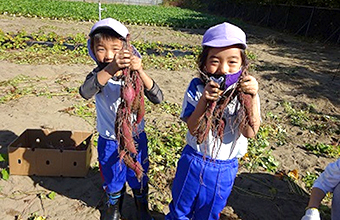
point(201, 187)
point(114, 172)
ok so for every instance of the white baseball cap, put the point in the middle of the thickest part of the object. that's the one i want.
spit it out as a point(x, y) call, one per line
point(109, 24)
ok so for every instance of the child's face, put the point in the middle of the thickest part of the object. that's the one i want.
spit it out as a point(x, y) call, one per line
point(105, 49)
point(224, 60)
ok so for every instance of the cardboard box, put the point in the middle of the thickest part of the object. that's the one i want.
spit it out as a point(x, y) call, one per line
point(43, 152)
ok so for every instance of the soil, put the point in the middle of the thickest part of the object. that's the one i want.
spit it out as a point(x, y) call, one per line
point(291, 69)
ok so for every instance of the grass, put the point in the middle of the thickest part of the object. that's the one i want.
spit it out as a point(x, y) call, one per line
point(324, 149)
point(309, 179)
point(50, 48)
point(55, 49)
point(127, 14)
point(23, 85)
point(308, 119)
point(4, 171)
point(259, 152)
point(20, 86)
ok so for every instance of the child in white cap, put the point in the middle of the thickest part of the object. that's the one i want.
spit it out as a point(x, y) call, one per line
point(206, 170)
point(105, 46)
point(328, 181)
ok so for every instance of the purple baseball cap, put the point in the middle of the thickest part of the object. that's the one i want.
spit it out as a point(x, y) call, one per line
point(109, 23)
point(224, 35)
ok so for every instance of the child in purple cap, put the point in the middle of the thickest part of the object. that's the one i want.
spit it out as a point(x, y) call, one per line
point(206, 170)
point(106, 48)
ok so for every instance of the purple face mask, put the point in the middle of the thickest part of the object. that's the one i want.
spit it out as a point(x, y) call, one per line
point(224, 80)
point(232, 78)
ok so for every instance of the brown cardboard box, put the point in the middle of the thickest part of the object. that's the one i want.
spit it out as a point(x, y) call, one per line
point(43, 152)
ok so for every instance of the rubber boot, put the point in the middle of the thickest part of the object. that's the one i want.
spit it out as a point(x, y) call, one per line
point(141, 201)
point(115, 203)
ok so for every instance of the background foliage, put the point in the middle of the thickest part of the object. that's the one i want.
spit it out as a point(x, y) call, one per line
point(205, 4)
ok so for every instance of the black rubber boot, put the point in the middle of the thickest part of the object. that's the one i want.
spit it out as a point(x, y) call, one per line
point(115, 203)
point(141, 201)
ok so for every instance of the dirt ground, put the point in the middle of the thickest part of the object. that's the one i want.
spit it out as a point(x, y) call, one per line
point(290, 69)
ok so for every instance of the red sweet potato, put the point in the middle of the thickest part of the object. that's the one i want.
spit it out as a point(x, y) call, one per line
point(132, 102)
point(128, 94)
point(134, 165)
point(213, 118)
point(128, 141)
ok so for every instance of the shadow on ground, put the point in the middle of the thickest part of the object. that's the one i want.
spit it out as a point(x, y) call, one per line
point(6, 137)
point(255, 195)
point(91, 194)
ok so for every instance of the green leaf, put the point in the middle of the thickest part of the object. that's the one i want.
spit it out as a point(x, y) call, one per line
point(4, 174)
point(51, 195)
point(3, 157)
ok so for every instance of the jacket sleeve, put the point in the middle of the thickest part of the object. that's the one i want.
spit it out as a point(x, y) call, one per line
point(329, 178)
point(155, 94)
point(91, 86)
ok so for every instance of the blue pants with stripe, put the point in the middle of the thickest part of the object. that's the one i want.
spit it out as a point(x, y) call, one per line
point(114, 172)
point(201, 186)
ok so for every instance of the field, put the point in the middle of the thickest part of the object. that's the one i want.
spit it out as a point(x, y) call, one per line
point(300, 107)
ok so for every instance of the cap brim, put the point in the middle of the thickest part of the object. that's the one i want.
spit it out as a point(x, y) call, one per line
point(104, 27)
point(96, 30)
point(224, 43)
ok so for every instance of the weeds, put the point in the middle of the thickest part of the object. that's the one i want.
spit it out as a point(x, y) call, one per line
point(50, 48)
point(309, 119)
point(23, 85)
point(309, 179)
point(4, 171)
point(84, 109)
point(297, 117)
point(17, 87)
point(321, 149)
point(165, 141)
point(259, 152)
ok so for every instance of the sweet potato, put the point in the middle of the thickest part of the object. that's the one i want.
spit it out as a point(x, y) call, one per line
point(132, 102)
point(213, 117)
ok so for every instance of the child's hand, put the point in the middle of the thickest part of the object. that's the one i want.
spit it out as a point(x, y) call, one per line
point(211, 91)
point(136, 63)
point(249, 85)
point(122, 59)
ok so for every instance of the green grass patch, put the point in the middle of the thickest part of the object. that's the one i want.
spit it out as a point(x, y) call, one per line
point(19, 86)
point(321, 149)
point(128, 14)
point(309, 179)
point(51, 48)
point(23, 85)
point(4, 172)
point(307, 118)
point(259, 152)
point(54, 49)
